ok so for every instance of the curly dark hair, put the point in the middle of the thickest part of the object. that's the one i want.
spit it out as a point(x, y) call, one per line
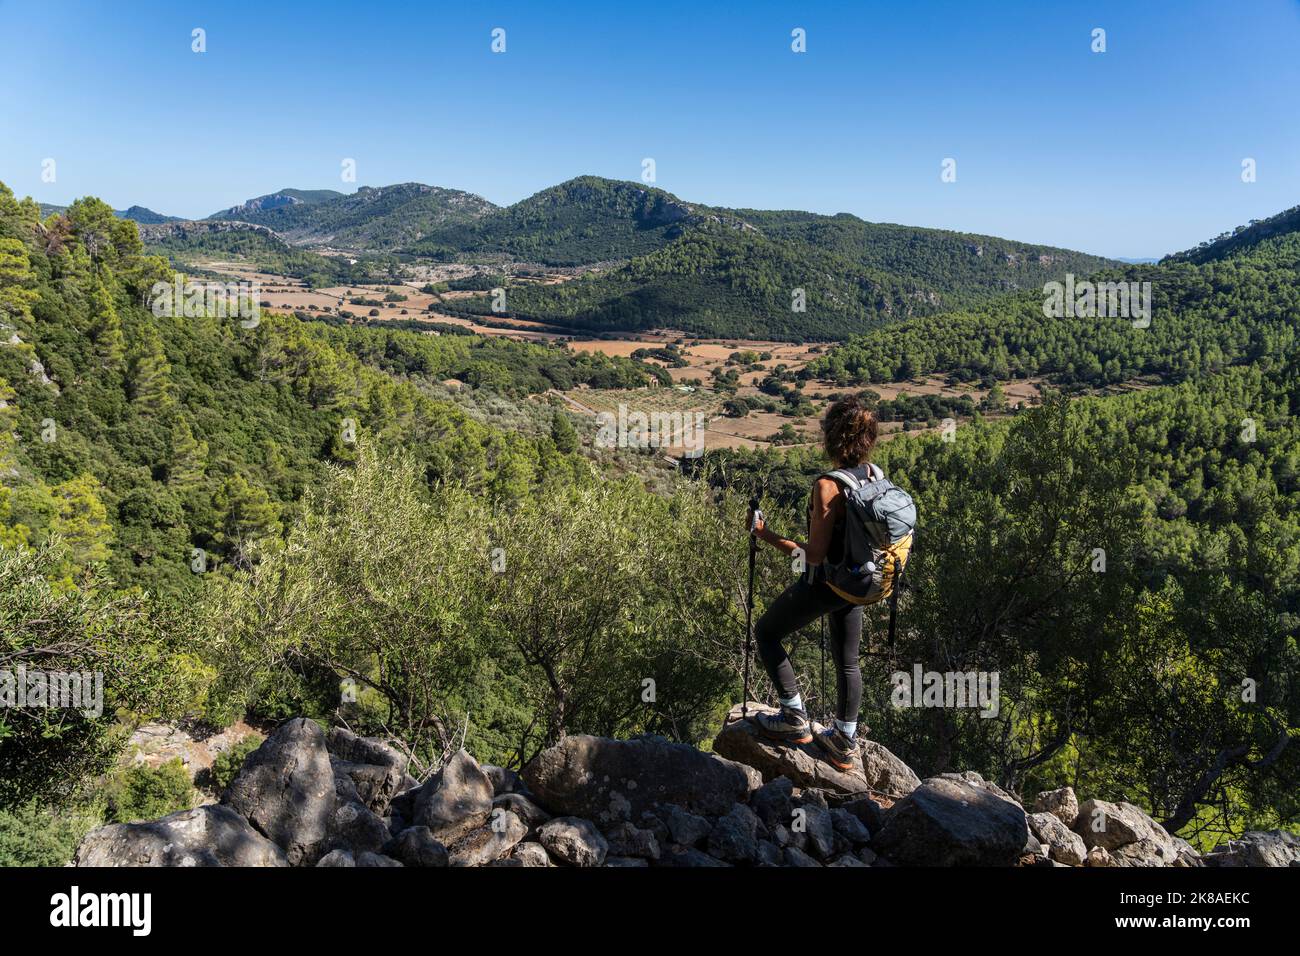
point(849, 431)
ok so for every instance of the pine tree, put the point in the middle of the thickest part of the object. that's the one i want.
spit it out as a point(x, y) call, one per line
point(150, 374)
point(245, 513)
point(106, 330)
point(189, 457)
point(563, 433)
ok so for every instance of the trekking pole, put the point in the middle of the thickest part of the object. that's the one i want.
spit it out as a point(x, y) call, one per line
point(893, 606)
point(754, 518)
point(822, 623)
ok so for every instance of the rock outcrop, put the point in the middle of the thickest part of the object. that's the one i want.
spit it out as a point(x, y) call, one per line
point(952, 822)
point(286, 791)
point(208, 836)
point(876, 769)
point(1257, 848)
point(307, 798)
point(610, 780)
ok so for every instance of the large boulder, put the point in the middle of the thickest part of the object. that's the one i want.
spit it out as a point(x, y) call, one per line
point(1062, 844)
point(371, 771)
point(1061, 803)
point(610, 780)
point(735, 836)
point(531, 854)
point(488, 843)
point(875, 768)
point(947, 822)
point(1257, 848)
point(454, 801)
point(286, 791)
point(574, 841)
point(357, 829)
point(684, 828)
point(416, 846)
point(628, 840)
point(209, 836)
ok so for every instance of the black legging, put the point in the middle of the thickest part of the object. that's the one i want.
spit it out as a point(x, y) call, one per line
point(799, 605)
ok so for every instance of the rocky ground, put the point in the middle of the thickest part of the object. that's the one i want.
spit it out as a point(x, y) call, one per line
point(310, 798)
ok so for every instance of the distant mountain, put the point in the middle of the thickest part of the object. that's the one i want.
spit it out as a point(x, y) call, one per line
point(144, 216)
point(372, 218)
point(582, 221)
point(136, 213)
point(1275, 236)
point(277, 200)
point(1137, 261)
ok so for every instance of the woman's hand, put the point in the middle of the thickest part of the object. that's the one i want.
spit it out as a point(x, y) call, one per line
point(754, 522)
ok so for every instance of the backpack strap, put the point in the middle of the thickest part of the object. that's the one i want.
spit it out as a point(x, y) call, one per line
point(844, 477)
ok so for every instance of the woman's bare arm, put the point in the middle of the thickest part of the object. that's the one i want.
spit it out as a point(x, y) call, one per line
point(825, 508)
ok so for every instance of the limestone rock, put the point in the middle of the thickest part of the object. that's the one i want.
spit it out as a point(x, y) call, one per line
point(610, 780)
point(685, 827)
point(416, 846)
point(488, 843)
point(875, 767)
point(574, 841)
point(286, 791)
point(208, 836)
point(455, 800)
point(1257, 848)
point(947, 822)
point(1062, 844)
point(1062, 804)
point(734, 837)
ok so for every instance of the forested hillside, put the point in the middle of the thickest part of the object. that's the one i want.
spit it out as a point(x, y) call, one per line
point(1274, 238)
point(138, 439)
point(784, 275)
point(1244, 309)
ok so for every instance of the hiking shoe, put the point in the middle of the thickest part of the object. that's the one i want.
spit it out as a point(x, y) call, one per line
point(786, 725)
point(839, 749)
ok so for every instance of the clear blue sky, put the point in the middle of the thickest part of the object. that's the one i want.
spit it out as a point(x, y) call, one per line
point(1133, 152)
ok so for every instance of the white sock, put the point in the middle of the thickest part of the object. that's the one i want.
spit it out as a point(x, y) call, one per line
point(794, 703)
point(847, 727)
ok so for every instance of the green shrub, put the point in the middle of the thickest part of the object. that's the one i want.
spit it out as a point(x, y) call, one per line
point(32, 835)
point(229, 762)
point(146, 793)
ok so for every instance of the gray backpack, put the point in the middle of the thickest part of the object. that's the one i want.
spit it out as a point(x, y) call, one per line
point(879, 523)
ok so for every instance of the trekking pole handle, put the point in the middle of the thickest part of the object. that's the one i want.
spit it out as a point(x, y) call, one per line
point(755, 515)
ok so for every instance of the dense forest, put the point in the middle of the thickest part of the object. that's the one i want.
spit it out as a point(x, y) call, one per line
point(232, 521)
point(1238, 310)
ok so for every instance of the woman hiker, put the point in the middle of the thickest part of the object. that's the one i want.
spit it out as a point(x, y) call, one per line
point(849, 434)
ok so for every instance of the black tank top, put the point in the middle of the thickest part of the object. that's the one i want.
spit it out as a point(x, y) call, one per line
point(835, 552)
